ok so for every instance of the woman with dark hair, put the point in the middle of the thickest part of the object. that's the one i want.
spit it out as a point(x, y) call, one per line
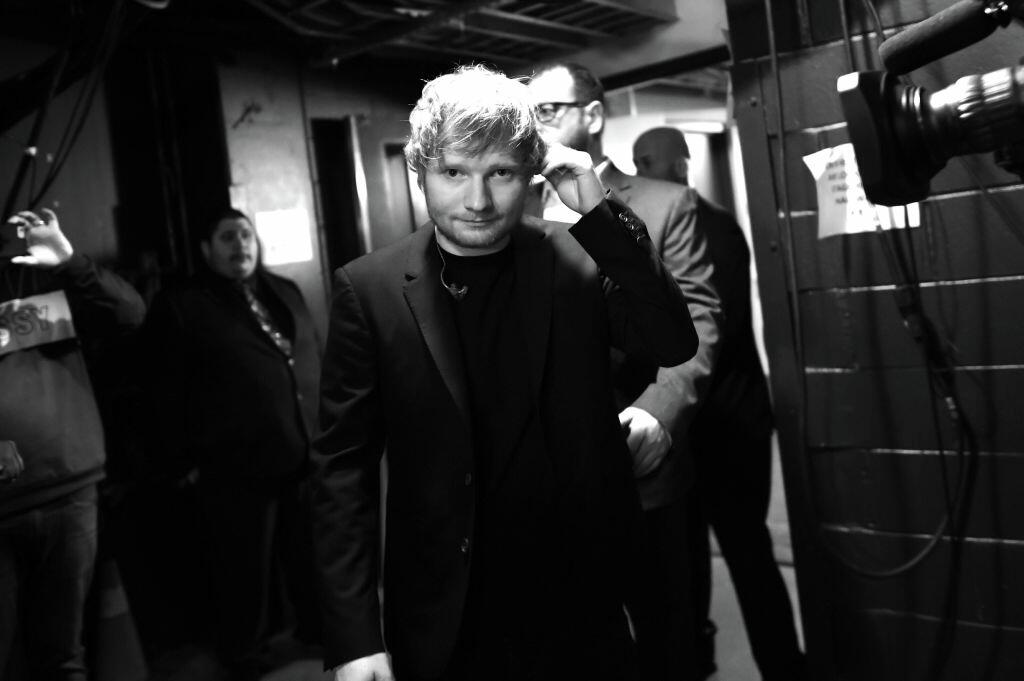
point(235, 361)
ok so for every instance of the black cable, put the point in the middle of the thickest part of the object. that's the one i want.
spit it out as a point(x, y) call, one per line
point(782, 194)
point(877, 19)
point(844, 20)
point(941, 385)
point(915, 277)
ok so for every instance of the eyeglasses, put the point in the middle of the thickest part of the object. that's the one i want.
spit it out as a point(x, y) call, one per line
point(549, 111)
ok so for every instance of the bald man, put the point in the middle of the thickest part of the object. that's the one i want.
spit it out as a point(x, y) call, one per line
point(662, 154)
point(731, 442)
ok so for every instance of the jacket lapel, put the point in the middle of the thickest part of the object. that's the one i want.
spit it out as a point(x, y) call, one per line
point(432, 311)
point(534, 262)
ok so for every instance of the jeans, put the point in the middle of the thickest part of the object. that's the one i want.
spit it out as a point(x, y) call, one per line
point(47, 556)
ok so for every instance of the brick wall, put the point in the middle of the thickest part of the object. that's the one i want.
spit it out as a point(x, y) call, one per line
point(859, 440)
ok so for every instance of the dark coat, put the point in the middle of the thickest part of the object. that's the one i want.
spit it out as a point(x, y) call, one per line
point(394, 377)
point(737, 399)
point(227, 399)
point(47, 406)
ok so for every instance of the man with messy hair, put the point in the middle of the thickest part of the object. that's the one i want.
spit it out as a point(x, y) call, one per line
point(475, 351)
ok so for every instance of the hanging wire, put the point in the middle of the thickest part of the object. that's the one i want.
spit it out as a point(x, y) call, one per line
point(844, 20)
point(83, 104)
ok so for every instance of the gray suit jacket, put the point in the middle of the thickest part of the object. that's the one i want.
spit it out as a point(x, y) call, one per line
point(672, 395)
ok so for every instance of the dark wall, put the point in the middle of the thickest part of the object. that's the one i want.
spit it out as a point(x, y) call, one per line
point(859, 435)
point(85, 192)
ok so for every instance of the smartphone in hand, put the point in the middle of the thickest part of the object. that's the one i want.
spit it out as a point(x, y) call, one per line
point(12, 240)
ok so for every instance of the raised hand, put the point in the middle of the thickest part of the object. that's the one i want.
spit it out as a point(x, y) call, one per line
point(46, 244)
point(572, 175)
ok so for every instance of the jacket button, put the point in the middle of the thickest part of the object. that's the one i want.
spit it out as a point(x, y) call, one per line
point(469, 479)
point(464, 546)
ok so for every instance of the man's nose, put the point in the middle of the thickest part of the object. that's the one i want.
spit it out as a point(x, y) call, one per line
point(478, 195)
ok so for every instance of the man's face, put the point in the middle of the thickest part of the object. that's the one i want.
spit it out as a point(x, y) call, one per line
point(232, 251)
point(553, 92)
point(475, 200)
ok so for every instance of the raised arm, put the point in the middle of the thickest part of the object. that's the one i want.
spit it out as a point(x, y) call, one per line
point(102, 302)
point(647, 311)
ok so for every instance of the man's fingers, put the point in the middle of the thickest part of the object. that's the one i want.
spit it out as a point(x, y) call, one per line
point(50, 215)
point(25, 260)
point(31, 218)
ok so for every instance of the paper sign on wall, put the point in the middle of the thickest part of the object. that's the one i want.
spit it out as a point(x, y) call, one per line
point(843, 208)
point(285, 236)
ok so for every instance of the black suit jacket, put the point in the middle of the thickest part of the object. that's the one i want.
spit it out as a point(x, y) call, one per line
point(394, 377)
point(673, 394)
point(737, 399)
point(225, 397)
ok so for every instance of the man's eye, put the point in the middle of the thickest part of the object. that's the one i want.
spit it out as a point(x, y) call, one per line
point(451, 172)
point(502, 172)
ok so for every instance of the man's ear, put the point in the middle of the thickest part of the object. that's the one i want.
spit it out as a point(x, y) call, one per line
point(595, 117)
point(204, 248)
point(682, 168)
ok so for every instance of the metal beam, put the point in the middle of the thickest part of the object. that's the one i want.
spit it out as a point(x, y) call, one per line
point(425, 49)
point(533, 24)
point(671, 67)
point(406, 28)
point(663, 10)
point(501, 27)
point(292, 24)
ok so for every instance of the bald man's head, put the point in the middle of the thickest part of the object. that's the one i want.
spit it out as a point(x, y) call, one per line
point(662, 154)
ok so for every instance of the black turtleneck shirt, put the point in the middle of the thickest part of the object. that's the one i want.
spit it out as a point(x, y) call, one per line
point(513, 473)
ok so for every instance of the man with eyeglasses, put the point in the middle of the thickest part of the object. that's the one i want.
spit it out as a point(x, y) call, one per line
point(657, 405)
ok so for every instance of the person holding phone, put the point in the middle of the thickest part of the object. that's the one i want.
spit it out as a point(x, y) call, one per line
point(51, 441)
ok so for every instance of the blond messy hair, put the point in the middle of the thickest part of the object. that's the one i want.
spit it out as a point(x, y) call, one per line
point(471, 110)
